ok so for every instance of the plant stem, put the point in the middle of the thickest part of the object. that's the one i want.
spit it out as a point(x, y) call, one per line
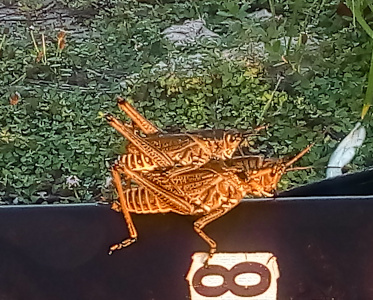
point(18, 79)
point(34, 42)
point(2, 41)
point(369, 93)
point(364, 24)
point(358, 15)
point(272, 7)
point(287, 51)
point(371, 6)
point(76, 194)
point(44, 48)
point(266, 106)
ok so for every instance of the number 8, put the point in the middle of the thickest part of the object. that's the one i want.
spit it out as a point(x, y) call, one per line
point(229, 283)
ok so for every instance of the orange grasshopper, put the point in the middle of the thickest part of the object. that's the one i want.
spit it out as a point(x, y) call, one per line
point(192, 176)
point(166, 150)
point(210, 191)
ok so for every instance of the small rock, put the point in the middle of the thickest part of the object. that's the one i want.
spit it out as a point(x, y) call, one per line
point(188, 33)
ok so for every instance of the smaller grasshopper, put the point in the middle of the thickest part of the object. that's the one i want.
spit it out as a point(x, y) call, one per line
point(208, 192)
point(167, 150)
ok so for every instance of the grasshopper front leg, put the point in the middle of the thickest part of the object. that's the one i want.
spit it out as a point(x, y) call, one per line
point(205, 220)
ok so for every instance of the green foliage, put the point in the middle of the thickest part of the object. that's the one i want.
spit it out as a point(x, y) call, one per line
point(56, 130)
point(358, 8)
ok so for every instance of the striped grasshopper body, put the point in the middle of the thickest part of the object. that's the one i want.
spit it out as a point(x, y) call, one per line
point(208, 192)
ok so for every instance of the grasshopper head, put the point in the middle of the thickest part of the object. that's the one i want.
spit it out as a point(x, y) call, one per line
point(264, 181)
point(231, 140)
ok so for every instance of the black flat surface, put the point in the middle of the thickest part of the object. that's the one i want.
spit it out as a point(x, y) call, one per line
point(355, 184)
point(323, 248)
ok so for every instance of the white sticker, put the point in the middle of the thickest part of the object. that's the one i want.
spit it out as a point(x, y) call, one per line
point(233, 276)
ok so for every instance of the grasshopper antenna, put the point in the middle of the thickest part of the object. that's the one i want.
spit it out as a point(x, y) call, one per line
point(253, 131)
point(299, 155)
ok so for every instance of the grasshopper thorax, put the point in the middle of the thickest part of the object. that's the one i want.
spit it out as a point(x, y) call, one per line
point(230, 142)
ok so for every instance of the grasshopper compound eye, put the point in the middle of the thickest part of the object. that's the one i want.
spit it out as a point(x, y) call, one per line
point(231, 138)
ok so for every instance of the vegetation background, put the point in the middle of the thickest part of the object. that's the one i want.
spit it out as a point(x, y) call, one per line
point(303, 71)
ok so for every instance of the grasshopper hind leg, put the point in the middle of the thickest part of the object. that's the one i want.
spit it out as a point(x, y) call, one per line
point(145, 125)
point(131, 226)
